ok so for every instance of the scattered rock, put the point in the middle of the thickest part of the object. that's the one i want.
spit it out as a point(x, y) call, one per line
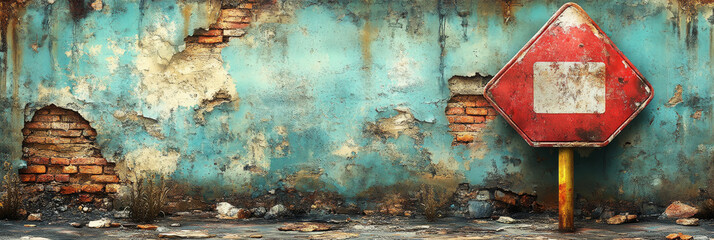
point(186, 234)
point(121, 214)
point(101, 223)
point(256, 236)
point(76, 224)
point(243, 213)
point(305, 227)
point(506, 220)
point(276, 211)
point(226, 209)
point(258, 212)
point(679, 210)
point(33, 238)
point(115, 224)
point(147, 226)
point(480, 209)
point(335, 235)
point(175, 224)
point(679, 236)
point(35, 217)
point(688, 221)
point(620, 219)
point(30, 225)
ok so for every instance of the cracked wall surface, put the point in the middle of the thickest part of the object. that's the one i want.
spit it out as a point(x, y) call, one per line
point(345, 96)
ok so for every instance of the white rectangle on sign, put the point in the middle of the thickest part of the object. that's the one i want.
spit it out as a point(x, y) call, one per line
point(569, 87)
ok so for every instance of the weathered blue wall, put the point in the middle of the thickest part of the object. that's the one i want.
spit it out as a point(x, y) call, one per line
point(350, 95)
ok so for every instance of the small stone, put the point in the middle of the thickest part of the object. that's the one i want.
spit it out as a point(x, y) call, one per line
point(50, 1)
point(62, 208)
point(679, 210)
point(305, 227)
point(484, 195)
point(76, 224)
point(256, 236)
point(335, 235)
point(688, 221)
point(115, 224)
point(86, 209)
point(175, 224)
point(101, 223)
point(121, 214)
point(186, 234)
point(30, 225)
point(226, 209)
point(506, 220)
point(480, 209)
point(243, 213)
point(620, 219)
point(258, 212)
point(276, 211)
point(147, 226)
point(35, 217)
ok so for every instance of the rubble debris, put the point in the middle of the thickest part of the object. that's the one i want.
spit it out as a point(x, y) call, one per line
point(115, 224)
point(679, 210)
point(688, 221)
point(187, 234)
point(276, 211)
point(258, 212)
point(35, 217)
point(506, 220)
point(101, 223)
point(480, 209)
point(681, 236)
point(121, 214)
point(227, 211)
point(335, 235)
point(147, 226)
point(30, 225)
point(75, 224)
point(255, 236)
point(620, 219)
point(305, 227)
point(175, 224)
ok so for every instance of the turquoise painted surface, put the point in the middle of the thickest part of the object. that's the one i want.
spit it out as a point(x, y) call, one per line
point(311, 82)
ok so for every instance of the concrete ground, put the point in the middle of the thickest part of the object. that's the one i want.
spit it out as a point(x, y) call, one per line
point(363, 227)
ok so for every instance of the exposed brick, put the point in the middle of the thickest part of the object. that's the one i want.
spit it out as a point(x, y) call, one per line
point(245, 19)
point(27, 177)
point(88, 161)
point(38, 160)
point(109, 169)
point(474, 127)
point(45, 118)
point(477, 111)
point(38, 125)
point(481, 102)
point(42, 111)
point(230, 25)
point(33, 139)
point(464, 119)
point(26, 131)
point(72, 118)
point(79, 140)
point(70, 189)
point(56, 140)
point(78, 126)
point(59, 161)
point(34, 169)
point(92, 188)
point(232, 12)
point(90, 169)
point(457, 127)
point(45, 178)
point(492, 112)
point(491, 117)
point(105, 178)
point(61, 125)
point(68, 133)
point(52, 188)
point(211, 32)
point(85, 198)
point(210, 39)
point(454, 110)
point(89, 132)
point(54, 169)
point(69, 169)
point(62, 177)
point(112, 188)
point(233, 32)
point(465, 138)
point(58, 111)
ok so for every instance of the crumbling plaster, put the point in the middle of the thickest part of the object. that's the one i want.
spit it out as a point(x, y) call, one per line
point(350, 95)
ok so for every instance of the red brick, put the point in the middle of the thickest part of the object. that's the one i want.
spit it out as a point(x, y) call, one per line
point(112, 188)
point(88, 161)
point(60, 125)
point(38, 125)
point(78, 125)
point(26, 131)
point(69, 169)
point(34, 169)
point(27, 177)
point(62, 177)
point(474, 127)
point(477, 111)
point(43, 111)
point(34, 139)
point(109, 169)
point(245, 6)
point(209, 39)
point(92, 188)
point(38, 160)
point(85, 198)
point(45, 178)
point(79, 140)
point(491, 117)
point(231, 12)
point(105, 178)
point(58, 111)
point(230, 25)
point(56, 140)
point(492, 112)
point(73, 118)
point(481, 102)
point(211, 32)
point(68, 133)
point(457, 127)
point(454, 110)
point(70, 189)
point(90, 169)
point(465, 138)
point(245, 19)
point(45, 118)
point(463, 119)
point(59, 161)
point(89, 132)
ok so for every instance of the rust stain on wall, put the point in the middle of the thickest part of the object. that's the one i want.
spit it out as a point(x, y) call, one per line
point(677, 98)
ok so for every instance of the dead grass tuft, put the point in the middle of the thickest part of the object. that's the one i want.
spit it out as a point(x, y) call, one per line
point(147, 199)
point(11, 200)
point(432, 200)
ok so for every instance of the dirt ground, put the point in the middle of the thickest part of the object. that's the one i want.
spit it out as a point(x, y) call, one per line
point(358, 227)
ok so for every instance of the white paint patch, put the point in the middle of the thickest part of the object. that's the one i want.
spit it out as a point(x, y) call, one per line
point(403, 71)
point(347, 150)
point(112, 63)
point(149, 161)
point(569, 87)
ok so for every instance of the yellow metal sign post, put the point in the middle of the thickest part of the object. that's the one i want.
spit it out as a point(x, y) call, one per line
point(565, 189)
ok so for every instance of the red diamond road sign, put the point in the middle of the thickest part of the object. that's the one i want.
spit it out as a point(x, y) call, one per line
point(569, 86)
